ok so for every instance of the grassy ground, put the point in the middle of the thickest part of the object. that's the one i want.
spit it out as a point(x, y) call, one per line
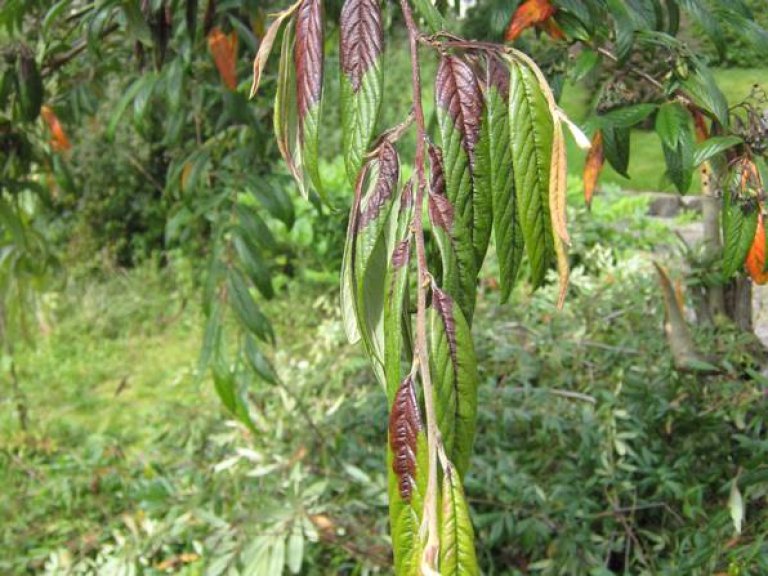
point(646, 166)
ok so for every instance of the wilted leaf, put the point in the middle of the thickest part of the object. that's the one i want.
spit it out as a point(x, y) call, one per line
point(223, 48)
point(593, 166)
point(755, 264)
point(530, 13)
point(265, 48)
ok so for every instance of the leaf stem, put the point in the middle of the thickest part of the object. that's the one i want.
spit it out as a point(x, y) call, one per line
point(430, 518)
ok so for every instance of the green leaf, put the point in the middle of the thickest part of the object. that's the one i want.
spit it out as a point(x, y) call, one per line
point(246, 310)
point(259, 362)
point(431, 15)
point(626, 116)
point(285, 119)
point(531, 131)
point(616, 142)
point(253, 264)
point(673, 125)
point(707, 20)
point(366, 255)
point(739, 226)
point(459, 109)
point(712, 147)
point(459, 271)
point(624, 27)
point(457, 538)
point(127, 97)
point(253, 227)
point(30, 87)
point(362, 43)
point(702, 87)
point(454, 373)
point(494, 171)
point(396, 314)
point(295, 548)
point(407, 478)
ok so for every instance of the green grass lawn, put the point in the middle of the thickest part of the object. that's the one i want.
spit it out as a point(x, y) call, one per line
point(646, 166)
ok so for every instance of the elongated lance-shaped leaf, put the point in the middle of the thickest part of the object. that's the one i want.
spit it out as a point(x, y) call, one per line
point(457, 538)
point(531, 130)
point(366, 254)
point(362, 43)
point(459, 107)
point(454, 374)
point(407, 466)
point(286, 122)
point(308, 60)
point(459, 269)
point(494, 173)
point(348, 286)
point(557, 184)
point(396, 313)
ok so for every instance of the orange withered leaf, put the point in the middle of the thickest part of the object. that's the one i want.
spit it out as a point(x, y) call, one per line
point(223, 48)
point(59, 140)
point(532, 13)
point(593, 166)
point(699, 124)
point(755, 263)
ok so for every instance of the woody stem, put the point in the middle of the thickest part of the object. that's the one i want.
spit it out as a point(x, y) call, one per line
point(430, 520)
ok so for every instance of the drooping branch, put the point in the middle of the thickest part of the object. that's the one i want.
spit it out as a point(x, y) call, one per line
point(430, 516)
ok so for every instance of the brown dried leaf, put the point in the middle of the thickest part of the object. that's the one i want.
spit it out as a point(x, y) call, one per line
point(593, 166)
point(265, 48)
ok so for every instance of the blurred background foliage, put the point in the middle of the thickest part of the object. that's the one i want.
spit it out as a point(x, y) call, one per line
point(117, 239)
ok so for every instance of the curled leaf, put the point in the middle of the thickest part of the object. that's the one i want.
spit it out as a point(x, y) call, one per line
point(593, 166)
point(533, 13)
point(265, 47)
point(223, 48)
point(404, 426)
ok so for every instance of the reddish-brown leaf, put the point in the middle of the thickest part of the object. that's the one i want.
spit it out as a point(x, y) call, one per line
point(404, 426)
point(308, 55)
point(498, 76)
point(458, 92)
point(755, 263)
point(59, 140)
point(386, 181)
point(593, 166)
point(223, 48)
point(437, 176)
point(443, 305)
point(530, 13)
point(362, 38)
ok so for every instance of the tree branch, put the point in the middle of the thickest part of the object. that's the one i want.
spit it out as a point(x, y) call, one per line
point(430, 519)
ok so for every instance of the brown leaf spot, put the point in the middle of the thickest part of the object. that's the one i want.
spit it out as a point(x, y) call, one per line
point(386, 181)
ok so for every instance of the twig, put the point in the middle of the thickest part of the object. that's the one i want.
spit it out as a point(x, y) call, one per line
point(430, 519)
point(56, 63)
